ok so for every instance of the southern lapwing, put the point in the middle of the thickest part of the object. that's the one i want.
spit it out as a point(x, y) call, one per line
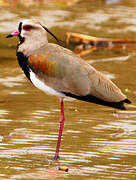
point(58, 71)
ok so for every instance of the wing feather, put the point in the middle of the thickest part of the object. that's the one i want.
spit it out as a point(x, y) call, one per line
point(62, 70)
point(105, 89)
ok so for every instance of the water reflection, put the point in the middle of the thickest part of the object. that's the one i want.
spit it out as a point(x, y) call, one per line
point(112, 1)
point(11, 81)
point(98, 142)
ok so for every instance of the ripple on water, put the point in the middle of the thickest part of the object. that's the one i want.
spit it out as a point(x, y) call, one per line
point(3, 112)
point(102, 143)
point(12, 81)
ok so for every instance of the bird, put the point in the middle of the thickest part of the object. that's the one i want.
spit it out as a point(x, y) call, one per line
point(58, 71)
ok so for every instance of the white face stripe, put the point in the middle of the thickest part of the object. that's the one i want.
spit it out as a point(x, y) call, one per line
point(43, 87)
point(25, 22)
point(23, 32)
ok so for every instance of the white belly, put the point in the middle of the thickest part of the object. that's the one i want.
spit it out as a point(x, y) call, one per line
point(43, 87)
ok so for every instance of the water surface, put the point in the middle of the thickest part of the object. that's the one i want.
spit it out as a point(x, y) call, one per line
point(98, 142)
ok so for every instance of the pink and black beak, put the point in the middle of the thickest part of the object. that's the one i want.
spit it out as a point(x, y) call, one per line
point(16, 33)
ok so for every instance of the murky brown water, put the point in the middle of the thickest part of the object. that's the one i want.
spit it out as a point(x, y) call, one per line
point(98, 142)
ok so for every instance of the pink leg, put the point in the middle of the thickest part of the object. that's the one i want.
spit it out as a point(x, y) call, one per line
point(62, 118)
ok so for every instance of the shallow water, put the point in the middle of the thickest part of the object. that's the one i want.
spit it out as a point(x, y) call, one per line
point(98, 142)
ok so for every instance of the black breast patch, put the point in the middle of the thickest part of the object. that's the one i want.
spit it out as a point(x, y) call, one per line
point(23, 63)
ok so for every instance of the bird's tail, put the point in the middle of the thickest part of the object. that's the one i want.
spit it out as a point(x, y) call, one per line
point(89, 98)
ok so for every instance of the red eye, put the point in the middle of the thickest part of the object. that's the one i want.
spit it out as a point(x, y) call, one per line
point(27, 27)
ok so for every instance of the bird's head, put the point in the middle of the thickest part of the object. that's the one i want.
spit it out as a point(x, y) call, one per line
point(31, 29)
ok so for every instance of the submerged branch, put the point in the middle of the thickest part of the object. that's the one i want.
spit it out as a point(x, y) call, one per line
point(86, 44)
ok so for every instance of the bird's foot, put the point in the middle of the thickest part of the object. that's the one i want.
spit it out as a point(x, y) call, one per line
point(56, 157)
point(51, 161)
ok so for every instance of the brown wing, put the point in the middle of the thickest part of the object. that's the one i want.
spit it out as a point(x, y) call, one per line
point(62, 70)
point(61, 74)
point(105, 89)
